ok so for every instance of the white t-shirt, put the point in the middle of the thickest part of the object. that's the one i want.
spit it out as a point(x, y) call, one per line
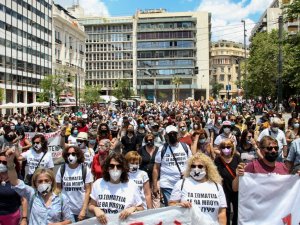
point(114, 198)
point(33, 159)
point(140, 178)
point(205, 195)
point(73, 186)
point(88, 156)
point(169, 173)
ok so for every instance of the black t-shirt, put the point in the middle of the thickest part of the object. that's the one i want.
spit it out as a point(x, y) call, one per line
point(227, 177)
point(10, 201)
point(129, 143)
point(147, 161)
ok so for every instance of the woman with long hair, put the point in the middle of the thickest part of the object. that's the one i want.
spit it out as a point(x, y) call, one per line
point(114, 193)
point(202, 144)
point(201, 179)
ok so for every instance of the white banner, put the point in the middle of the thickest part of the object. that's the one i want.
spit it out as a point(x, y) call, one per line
point(54, 147)
point(269, 199)
point(163, 216)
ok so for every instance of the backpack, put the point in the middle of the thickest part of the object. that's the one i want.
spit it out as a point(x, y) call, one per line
point(83, 170)
point(164, 149)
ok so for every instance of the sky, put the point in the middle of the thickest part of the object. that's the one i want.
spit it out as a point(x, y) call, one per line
point(226, 14)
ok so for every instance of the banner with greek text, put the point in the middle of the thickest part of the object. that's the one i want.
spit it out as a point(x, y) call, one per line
point(269, 199)
point(54, 147)
point(163, 216)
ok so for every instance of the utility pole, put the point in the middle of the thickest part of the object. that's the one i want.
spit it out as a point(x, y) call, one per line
point(280, 62)
point(245, 55)
point(76, 91)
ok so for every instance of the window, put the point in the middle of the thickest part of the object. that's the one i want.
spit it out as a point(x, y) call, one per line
point(221, 78)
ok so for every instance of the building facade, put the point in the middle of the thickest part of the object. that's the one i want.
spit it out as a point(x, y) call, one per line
point(226, 58)
point(165, 56)
point(25, 48)
point(68, 49)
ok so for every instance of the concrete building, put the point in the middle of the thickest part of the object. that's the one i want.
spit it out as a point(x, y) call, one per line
point(25, 48)
point(226, 57)
point(69, 48)
point(151, 49)
point(269, 19)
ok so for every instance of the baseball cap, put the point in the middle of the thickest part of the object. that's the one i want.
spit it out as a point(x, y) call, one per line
point(170, 129)
point(82, 136)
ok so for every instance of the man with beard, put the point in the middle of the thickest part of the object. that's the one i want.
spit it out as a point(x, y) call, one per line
point(170, 163)
point(269, 150)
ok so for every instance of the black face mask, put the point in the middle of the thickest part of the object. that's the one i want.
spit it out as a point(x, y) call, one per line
point(271, 156)
point(9, 137)
point(103, 132)
point(172, 138)
point(150, 143)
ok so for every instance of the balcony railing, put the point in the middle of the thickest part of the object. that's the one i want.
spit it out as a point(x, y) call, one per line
point(57, 41)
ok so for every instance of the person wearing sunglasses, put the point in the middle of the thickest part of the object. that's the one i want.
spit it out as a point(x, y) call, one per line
point(247, 146)
point(37, 156)
point(75, 179)
point(45, 203)
point(10, 200)
point(269, 149)
point(184, 135)
point(114, 193)
point(201, 180)
point(82, 143)
point(227, 162)
point(99, 158)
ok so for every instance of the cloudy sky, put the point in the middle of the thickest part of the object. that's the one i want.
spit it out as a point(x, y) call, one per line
point(226, 14)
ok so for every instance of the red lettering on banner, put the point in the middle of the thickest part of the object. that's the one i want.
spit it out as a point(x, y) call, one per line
point(177, 222)
point(137, 223)
point(287, 220)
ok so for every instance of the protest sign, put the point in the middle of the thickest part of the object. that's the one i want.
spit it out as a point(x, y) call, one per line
point(54, 147)
point(162, 216)
point(269, 199)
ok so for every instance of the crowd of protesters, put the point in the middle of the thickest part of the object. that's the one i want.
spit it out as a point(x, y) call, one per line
point(128, 159)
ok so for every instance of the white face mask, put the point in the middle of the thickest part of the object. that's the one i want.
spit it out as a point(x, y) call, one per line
point(226, 130)
point(115, 174)
point(44, 188)
point(72, 159)
point(3, 168)
point(37, 147)
point(198, 174)
point(275, 129)
point(133, 168)
point(81, 145)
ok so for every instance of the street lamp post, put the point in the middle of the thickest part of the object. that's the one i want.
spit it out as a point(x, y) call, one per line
point(245, 55)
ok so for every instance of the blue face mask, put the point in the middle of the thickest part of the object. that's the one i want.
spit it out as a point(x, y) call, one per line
point(75, 132)
point(92, 142)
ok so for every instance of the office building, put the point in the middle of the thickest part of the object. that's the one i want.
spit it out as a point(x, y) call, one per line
point(164, 55)
point(25, 48)
point(226, 58)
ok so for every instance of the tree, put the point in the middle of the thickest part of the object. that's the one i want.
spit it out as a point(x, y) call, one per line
point(91, 94)
point(55, 84)
point(123, 89)
point(177, 81)
point(2, 94)
point(216, 88)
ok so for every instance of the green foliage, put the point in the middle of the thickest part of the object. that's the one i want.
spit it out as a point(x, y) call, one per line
point(2, 94)
point(292, 11)
point(123, 90)
point(216, 88)
point(55, 84)
point(91, 94)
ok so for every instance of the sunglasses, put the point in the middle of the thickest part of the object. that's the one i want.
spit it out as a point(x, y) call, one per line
point(112, 166)
point(73, 154)
point(3, 162)
point(80, 141)
point(198, 166)
point(226, 147)
point(227, 126)
point(37, 143)
point(270, 148)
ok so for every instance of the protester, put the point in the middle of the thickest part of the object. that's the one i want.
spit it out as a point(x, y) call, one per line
point(24, 145)
point(140, 177)
point(227, 163)
point(72, 138)
point(201, 179)
point(247, 146)
point(270, 151)
point(169, 164)
point(184, 135)
point(202, 144)
point(37, 157)
point(114, 193)
point(129, 141)
point(75, 179)
point(100, 157)
point(82, 143)
point(225, 133)
point(10, 201)
point(43, 197)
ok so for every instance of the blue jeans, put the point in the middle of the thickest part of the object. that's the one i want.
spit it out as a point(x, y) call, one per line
point(166, 193)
